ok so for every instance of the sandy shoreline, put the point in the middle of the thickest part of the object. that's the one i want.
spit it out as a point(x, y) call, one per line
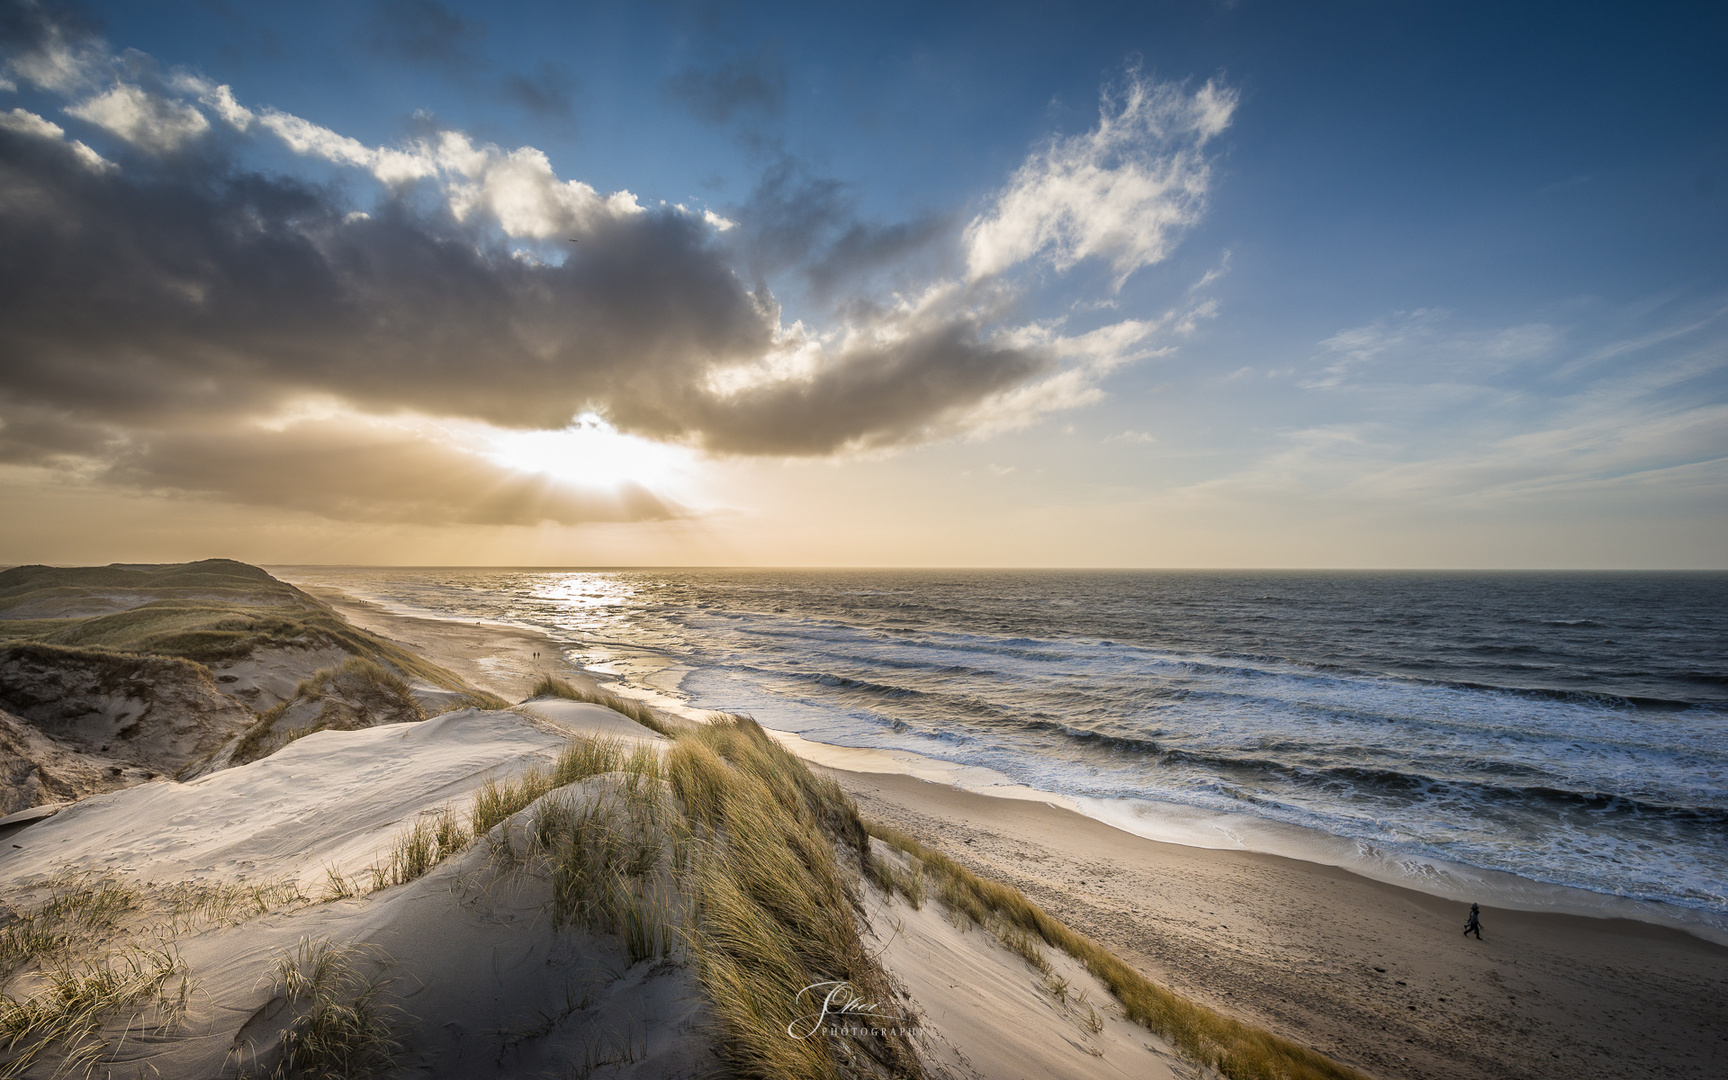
point(503, 659)
point(1291, 945)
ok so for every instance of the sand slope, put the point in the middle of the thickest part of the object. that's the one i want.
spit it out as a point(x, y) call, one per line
point(485, 984)
point(1376, 976)
point(988, 1014)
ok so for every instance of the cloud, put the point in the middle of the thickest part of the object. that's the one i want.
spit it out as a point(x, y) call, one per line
point(358, 469)
point(51, 49)
point(157, 314)
point(423, 32)
point(1122, 192)
point(143, 119)
point(25, 122)
point(747, 83)
point(1465, 419)
point(1421, 342)
point(795, 220)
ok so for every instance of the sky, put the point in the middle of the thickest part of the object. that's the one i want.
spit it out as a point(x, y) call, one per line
point(1163, 284)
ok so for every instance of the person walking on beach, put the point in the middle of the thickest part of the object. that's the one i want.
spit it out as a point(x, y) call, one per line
point(1475, 923)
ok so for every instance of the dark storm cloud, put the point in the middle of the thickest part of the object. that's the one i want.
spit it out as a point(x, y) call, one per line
point(744, 84)
point(26, 26)
point(869, 397)
point(129, 298)
point(423, 32)
point(352, 472)
point(144, 303)
point(794, 219)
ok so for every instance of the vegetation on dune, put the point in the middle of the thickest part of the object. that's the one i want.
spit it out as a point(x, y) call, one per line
point(113, 672)
point(71, 949)
point(212, 613)
point(549, 687)
point(774, 910)
point(342, 1028)
point(356, 693)
point(1236, 1050)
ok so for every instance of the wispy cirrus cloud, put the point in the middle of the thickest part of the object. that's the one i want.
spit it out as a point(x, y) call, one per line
point(1427, 413)
point(1122, 192)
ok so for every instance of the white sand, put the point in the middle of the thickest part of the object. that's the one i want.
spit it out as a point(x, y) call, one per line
point(987, 1013)
point(488, 988)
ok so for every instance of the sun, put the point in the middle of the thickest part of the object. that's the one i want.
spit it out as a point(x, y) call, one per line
point(591, 453)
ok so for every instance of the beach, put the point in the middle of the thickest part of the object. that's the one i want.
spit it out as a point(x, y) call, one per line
point(1290, 945)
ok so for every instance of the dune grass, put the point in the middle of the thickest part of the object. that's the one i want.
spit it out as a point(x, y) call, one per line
point(774, 910)
point(210, 613)
point(81, 998)
point(342, 1029)
point(355, 693)
point(75, 911)
point(1232, 1048)
point(635, 710)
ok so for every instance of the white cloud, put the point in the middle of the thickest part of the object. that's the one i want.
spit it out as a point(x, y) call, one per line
point(28, 123)
point(1121, 192)
point(1419, 342)
point(57, 65)
point(520, 189)
point(145, 120)
point(311, 140)
point(219, 98)
point(517, 187)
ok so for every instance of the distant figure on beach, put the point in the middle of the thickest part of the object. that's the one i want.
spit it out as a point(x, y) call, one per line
point(1475, 923)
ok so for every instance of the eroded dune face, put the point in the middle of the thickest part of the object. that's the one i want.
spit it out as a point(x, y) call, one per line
point(153, 710)
point(118, 675)
point(36, 770)
point(81, 722)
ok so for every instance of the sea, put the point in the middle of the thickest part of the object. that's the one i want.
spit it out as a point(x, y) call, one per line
point(1533, 739)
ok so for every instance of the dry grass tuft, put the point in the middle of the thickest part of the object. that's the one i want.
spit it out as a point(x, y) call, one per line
point(1234, 1049)
point(498, 800)
point(635, 710)
point(74, 911)
point(423, 845)
point(774, 912)
point(80, 999)
point(342, 1029)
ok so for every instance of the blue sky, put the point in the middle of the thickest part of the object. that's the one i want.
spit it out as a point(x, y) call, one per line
point(1440, 285)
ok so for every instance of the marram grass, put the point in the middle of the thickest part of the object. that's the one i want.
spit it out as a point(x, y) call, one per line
point(635, 710)
point(1236, 1050)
